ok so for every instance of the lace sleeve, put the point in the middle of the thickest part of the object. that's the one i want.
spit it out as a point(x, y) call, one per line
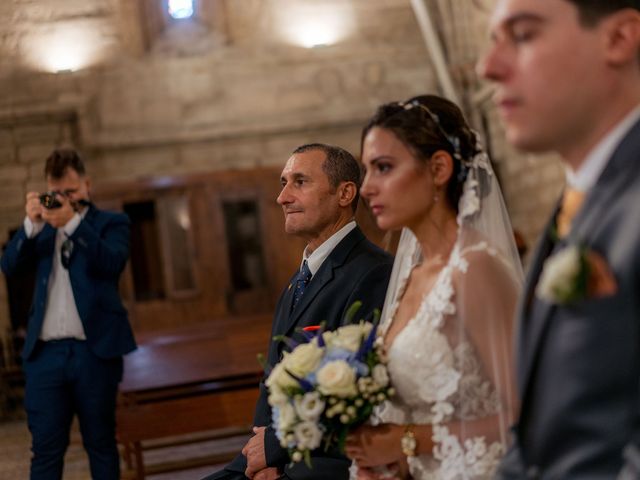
point(471, 434)
point(486, 292)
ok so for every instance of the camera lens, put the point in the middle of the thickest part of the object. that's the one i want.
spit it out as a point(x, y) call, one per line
point(49, 200)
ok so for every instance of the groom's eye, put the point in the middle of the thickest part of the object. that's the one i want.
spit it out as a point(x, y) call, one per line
point(523, 31)
point(523, 36)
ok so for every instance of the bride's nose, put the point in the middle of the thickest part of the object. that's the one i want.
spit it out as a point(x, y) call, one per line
point(367, 190)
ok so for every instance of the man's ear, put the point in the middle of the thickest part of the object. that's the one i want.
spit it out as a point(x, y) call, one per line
point(347, 192)
point(622, 37)
point(441, 166)
point(88, 183)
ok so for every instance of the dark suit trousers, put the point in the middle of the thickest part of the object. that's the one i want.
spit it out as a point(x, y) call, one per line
point(63, 378)
point(225, 475)
point(229, 475)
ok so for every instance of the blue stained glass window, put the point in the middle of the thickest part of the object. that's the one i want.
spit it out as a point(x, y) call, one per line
point(180, 9)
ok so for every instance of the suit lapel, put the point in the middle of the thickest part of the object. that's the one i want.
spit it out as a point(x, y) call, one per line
point(530, 329)
point(621, 168)
point(281, 321)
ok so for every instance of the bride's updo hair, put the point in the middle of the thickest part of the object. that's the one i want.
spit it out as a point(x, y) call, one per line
point(426, 124)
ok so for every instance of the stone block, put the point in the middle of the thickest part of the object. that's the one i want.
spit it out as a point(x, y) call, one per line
point(12, 197)
point(13, 174)
point(35, 154)
point(132, 164)
point(7, 155)
point(47, 134)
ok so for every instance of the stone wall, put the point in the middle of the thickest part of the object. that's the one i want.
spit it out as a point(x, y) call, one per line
point(233, 90)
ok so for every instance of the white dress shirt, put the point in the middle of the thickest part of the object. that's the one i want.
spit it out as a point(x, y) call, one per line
point(320, 254)
point(589, 172)
point(61, 319)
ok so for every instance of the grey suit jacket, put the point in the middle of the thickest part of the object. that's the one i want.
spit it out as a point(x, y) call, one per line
point(579, 364)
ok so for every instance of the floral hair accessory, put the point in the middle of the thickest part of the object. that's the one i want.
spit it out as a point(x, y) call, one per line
point(452, 139)
point(469, 203)
point(469, 174)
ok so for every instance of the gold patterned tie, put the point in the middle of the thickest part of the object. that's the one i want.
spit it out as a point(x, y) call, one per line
point(571, 202)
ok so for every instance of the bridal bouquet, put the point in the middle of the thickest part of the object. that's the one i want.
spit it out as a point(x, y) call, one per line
point(327, 386)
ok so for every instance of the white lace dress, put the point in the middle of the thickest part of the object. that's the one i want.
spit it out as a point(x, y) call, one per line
point(438, 382)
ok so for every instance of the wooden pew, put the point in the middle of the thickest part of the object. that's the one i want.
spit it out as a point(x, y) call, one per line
point(198, 378)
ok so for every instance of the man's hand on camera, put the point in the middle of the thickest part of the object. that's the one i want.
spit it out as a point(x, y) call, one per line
point(33, 208)
point(59, 217)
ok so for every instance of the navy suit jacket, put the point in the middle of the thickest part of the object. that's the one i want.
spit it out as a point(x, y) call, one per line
point(99, 254)
point(579, 364)
point(355, 270)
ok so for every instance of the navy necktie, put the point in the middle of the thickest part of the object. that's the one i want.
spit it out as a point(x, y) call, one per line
point(302, 280)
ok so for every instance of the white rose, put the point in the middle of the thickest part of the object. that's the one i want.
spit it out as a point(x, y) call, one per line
point(337, 378)
point(559, 275)
point(279, 378)
point(309, 406)
point(380, 375)
point(287, 417)
point(350, 337)
point(308, 436)
point(328, 337)
point(304, 359)
point(277, 397)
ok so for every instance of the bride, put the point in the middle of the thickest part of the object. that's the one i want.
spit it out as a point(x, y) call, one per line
point(447, 322)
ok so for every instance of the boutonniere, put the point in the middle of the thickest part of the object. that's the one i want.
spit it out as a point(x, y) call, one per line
point(573, 274)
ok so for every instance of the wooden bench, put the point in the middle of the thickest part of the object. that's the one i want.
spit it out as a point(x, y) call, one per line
point(186, 381)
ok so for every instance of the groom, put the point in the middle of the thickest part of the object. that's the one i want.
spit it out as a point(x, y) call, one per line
point(567, 74)
point(320, 185)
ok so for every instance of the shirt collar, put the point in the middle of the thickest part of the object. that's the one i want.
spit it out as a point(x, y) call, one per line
point(320, 254)
point(596, 161)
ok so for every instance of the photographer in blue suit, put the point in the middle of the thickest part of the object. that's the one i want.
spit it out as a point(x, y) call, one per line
point(78, 329)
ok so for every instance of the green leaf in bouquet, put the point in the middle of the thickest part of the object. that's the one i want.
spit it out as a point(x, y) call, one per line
point(289, 342)
point(333, 440)
point(351, 312)
point(262, 361)
point(307, 458)
point(376, 316)
point(342, 438)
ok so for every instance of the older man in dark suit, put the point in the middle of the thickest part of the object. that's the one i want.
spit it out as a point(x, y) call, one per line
point(340, 266)
point(78, 329)
point(568, 79)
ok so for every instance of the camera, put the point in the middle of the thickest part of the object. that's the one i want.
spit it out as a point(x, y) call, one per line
point(49, 200)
